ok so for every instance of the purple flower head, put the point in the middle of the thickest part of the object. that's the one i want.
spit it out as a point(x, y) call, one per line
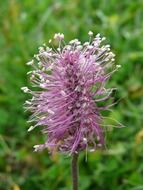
point(69, 93)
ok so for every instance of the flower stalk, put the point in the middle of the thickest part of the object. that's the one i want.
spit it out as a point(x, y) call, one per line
point(74, 169)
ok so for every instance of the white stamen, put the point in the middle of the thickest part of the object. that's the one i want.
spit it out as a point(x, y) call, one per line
point(32, 77)
point(62, 36)
point(78, 43)
point(68, 47)
point(48, 49)
point(118, 66)
point(74, 41)
point(42, 80)
point(56, 36)
point(107, 46)
point(78, 89)
point(69, 107)
point(63, 93)
point(85, 139)
point(30, 62)
point(97, 35)
point(59, 36)
point(88, 121)
point(36, 147)
point(77, 104)
point(25, 89)
point(98, 138)
point(112, 54)
point(103, 39)
point(46, 54)
point(33, 98)
point(59, 49)
point(41, 77)
point(84, 104)
point(29, 72)
point(90, 47)
point(43, 85)
point(37, 57)
point(107, 59)
point(86, 44)
point(50, 111)
point(31, 128)
point(91, 150)
point(40, 64)
point(79, 47)
point(41, 49)
point(44, 117)
point(90, 33)
point(84, 91)
point(28, 102)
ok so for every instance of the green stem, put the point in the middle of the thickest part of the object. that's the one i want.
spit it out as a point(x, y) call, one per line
point(74, 168)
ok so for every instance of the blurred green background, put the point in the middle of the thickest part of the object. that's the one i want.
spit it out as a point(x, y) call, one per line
point(25, 25)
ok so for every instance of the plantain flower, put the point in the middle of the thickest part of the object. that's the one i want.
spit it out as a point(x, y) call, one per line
point(69, 93)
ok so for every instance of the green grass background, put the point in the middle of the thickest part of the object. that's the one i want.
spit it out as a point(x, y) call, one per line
point(25, 25)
